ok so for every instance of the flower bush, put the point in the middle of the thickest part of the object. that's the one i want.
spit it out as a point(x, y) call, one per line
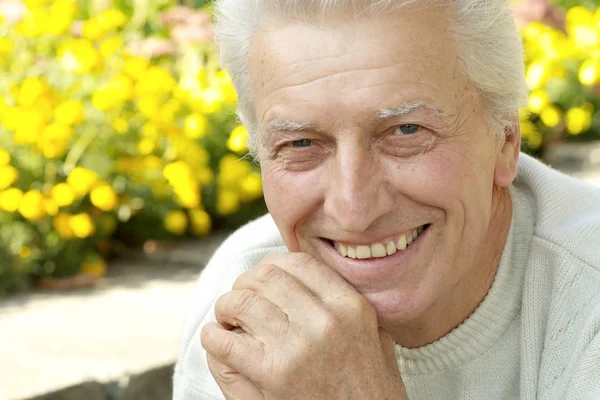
point(100, 145)
point(112, 137)
point(563, 75)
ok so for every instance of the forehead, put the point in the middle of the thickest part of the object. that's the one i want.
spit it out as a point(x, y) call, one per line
point(352, 67)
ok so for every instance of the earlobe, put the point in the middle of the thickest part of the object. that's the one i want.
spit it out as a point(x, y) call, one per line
point(508, 157)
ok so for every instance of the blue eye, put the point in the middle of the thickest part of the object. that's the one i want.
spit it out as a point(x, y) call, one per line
point(409, 129)
point(301, 143)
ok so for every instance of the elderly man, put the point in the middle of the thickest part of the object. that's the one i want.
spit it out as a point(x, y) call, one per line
point(410, 251)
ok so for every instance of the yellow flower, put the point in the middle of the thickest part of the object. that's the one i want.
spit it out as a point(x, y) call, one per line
point(104, 197)
point(154, 81)
point(148, 105)
point(577, 16)
point(92, 29)
point(31, 90)
point(212, 100)
point(589, 72)
point(95, 268)
point(78, 55)
point(4, 157)
point(205, 176)
point(68, 8)
point(188, 195)
point(195, 126)
point(251, 187)
point(59, 24)
point(538, 99)
point(238, 139)
point(120, 126)
point(10, 199)
point(134, 66)
point(32, 206)
point(8, 176)
point(111, 19)
point(527, 128)
point(200, 222)
point(25, 252)
point(177, 172)
point(34, 23)
point(60, 223)
point(81, 180)
point(535, 140)
point(228, 202)
point(6, 47)
point(11, 118)
point(146, 146)
point(578, 120)
point(176, 222)
point(551, 116)
point(231, 170)
point(62, 194)
point(122, 86)
point(50, 206)
point(29, 128)
point(54, 140)
point(69, 113)
point(110, 46)
point(82, 225)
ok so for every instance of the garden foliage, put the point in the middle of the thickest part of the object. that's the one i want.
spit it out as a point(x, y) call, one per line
point(117, 126)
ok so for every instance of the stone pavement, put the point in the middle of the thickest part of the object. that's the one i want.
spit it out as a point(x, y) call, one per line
point(116, 341)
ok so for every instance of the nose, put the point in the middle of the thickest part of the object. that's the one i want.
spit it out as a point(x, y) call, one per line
point(358, 192)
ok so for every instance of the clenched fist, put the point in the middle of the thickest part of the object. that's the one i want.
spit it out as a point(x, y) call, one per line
point(292, 328)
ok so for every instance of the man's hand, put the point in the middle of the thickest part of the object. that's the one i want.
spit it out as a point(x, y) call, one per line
point(292, 328)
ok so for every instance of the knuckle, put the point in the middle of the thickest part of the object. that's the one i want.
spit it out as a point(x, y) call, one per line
point(326, 325)
point(225, 347)
point(269, 274)
point(359, 306)
point(301, 260)
point(244, 302)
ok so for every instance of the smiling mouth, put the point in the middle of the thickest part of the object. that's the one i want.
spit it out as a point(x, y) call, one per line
point(379, 249)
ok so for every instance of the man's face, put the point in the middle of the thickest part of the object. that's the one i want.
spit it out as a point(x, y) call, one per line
point(369, 131)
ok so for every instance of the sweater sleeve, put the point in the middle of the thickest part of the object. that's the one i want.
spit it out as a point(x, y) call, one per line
point(585, 381)
point(192, 379)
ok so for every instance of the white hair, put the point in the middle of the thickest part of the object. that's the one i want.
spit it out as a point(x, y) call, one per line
point(489, 47)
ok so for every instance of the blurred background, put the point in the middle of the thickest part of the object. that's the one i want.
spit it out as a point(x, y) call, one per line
point(119, 146)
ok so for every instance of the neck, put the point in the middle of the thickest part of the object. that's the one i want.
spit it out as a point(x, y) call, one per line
point(450, 311)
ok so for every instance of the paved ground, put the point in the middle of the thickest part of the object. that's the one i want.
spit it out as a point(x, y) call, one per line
point(128, 324)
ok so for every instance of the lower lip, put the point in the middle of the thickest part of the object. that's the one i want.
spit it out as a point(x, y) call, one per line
point(374, 269)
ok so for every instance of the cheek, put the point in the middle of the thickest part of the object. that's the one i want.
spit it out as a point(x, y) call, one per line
point(291, 199)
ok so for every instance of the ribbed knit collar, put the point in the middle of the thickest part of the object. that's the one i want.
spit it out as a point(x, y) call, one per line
point(496, 312)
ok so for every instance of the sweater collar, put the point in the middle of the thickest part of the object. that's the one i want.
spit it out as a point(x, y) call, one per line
point(494, 314)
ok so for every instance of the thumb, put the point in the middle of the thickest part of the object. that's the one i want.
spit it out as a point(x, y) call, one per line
point(233, 385)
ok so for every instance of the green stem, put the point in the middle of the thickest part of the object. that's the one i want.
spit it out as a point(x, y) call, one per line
point(79, 148)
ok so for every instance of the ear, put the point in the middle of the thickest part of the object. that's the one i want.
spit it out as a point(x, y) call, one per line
point(508, 157)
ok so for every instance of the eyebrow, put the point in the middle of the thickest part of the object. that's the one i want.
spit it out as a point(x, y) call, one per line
point(407, 108)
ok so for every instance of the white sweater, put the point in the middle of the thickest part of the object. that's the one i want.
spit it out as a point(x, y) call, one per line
point(535, 336)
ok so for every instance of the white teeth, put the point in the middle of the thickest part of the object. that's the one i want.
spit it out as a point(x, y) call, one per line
point(401, 243)
point(343, 250)
point(378, 250)
point(390, 248)
point(351, 252)
point(363, 252)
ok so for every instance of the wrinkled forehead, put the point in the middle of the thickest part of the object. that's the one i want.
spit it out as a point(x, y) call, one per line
point(406, 55)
